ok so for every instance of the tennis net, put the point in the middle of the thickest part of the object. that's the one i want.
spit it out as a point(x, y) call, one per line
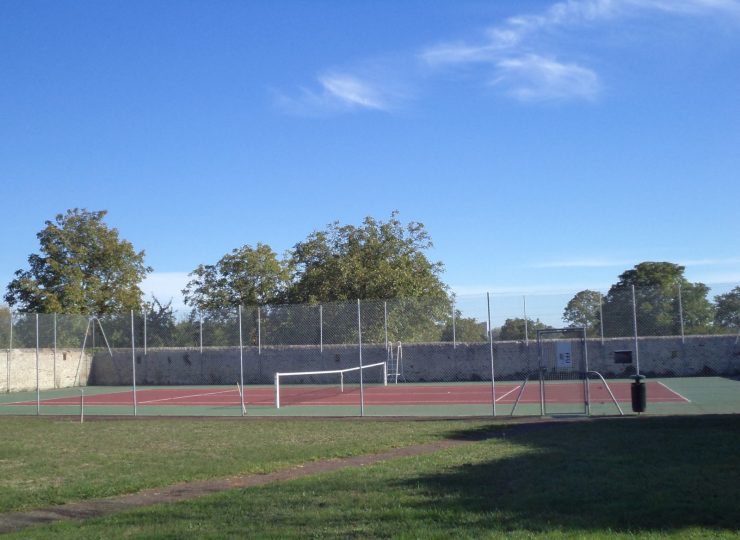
point(300, 392)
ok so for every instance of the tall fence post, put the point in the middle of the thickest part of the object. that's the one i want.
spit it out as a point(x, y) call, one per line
point(144, 313)
point(680, 313)
point(200, 320)
point(54, 365)
point(490, 343)
point(601, 316)
point(259, 331)
point(385, 329)
point(241, 363)
point(526, 324)
point(454, 334)
point(10, 349)
point(359, 341)
point(133, 362)
point(38, 386)
point(634, 321)
point(321, 328)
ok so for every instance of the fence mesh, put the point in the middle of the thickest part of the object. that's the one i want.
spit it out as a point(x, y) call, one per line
point(684, 339)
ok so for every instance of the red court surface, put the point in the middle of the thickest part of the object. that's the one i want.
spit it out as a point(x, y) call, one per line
point(402, 394)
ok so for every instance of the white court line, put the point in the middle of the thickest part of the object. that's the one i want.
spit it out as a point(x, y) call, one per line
point(507, 393)
point(672, 390)
point(184, 397)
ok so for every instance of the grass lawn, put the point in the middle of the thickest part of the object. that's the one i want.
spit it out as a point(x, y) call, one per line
point(45, 461)
point(649, 477)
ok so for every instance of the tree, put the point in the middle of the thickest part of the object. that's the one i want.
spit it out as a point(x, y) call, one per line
point(657, 288)
point(583, 310)
point(467, 330)
point(246, 276)
point(515, 329)
point(727, 314)
point(83, 267)
point(375, 260)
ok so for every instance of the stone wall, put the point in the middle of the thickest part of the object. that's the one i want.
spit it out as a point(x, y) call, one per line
point(65, 369)
point(659, 356)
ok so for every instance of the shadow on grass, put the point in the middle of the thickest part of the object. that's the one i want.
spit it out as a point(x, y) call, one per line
point(624, 475)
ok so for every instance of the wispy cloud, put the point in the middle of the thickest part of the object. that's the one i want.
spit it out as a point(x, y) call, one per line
point(522, 57)
point(515, 57)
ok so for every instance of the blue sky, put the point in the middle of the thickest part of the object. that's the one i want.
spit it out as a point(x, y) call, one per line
point(546, 146)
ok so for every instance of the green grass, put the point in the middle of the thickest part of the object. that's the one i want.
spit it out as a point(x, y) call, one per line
point(45, 461)
point(647, 477)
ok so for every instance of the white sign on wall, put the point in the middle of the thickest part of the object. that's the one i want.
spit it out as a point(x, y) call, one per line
point(565, 356)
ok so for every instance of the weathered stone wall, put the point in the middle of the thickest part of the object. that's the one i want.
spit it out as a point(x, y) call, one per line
point(659, 356)
point(65, 369)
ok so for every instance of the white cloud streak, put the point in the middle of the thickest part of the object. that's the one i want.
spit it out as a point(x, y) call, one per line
point(526, 72)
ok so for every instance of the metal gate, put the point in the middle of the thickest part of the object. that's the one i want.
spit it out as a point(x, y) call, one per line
point(563, 362)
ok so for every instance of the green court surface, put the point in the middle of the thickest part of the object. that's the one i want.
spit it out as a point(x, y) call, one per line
point(697, 395)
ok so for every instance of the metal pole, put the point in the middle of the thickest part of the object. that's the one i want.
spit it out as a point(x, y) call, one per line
point(454, 335)
point(133, 360)
point(601, 317)
point(259, 331)
point(490, 342)
point(241, 363)
point(200, 318)
point(526, 326)
point(680, 313)
point(321, 329)
point(385, 328)
point(10, 348)
point(359, 341)
point(38, 387)
point(144, 332)
point(634, 322)
point(54, 366)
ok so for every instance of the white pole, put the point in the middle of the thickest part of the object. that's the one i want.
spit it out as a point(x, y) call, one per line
point(200, 318)
point(133, 360)
point(490, 342)
point(241, 363)
point(277, 390)
point(259, 331)
point(321, 329)
point(38, 387)
point(359, 340)
point(680, 313)
point(144, 332)
point(54, 367)
point(454, 336)
point(10, 348)
point(526, 324)
point(601, 317)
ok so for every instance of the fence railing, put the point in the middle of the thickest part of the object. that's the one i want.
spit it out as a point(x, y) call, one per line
point(671, 332)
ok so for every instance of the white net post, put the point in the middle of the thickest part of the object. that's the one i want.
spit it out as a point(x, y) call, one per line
point(359, 342)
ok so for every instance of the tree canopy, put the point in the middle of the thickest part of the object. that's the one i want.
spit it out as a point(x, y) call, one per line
point(375, 260)
point(728, 309)
point(246, 276)
point(83, 267)
point(583, 310)
point(516, 329)
point(663, 297)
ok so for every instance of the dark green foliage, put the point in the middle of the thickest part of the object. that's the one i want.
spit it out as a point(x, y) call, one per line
point(83, 267)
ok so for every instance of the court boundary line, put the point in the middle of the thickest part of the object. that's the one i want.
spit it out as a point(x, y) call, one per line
point(672, 390)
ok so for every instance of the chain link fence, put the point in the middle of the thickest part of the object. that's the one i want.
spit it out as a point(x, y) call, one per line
point(686, 339)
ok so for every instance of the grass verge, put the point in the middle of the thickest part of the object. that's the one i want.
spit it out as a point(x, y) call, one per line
point(647, 477)
point(45, 461)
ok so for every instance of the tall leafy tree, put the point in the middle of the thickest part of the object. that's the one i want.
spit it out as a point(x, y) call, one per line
point(246, 276)
point(583, 310)
point(379, 259)
point(659, 310)
point(727, 314)
point(82, 267)
point(515, 329)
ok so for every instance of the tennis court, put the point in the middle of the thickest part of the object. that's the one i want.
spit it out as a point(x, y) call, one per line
point(668, 396)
